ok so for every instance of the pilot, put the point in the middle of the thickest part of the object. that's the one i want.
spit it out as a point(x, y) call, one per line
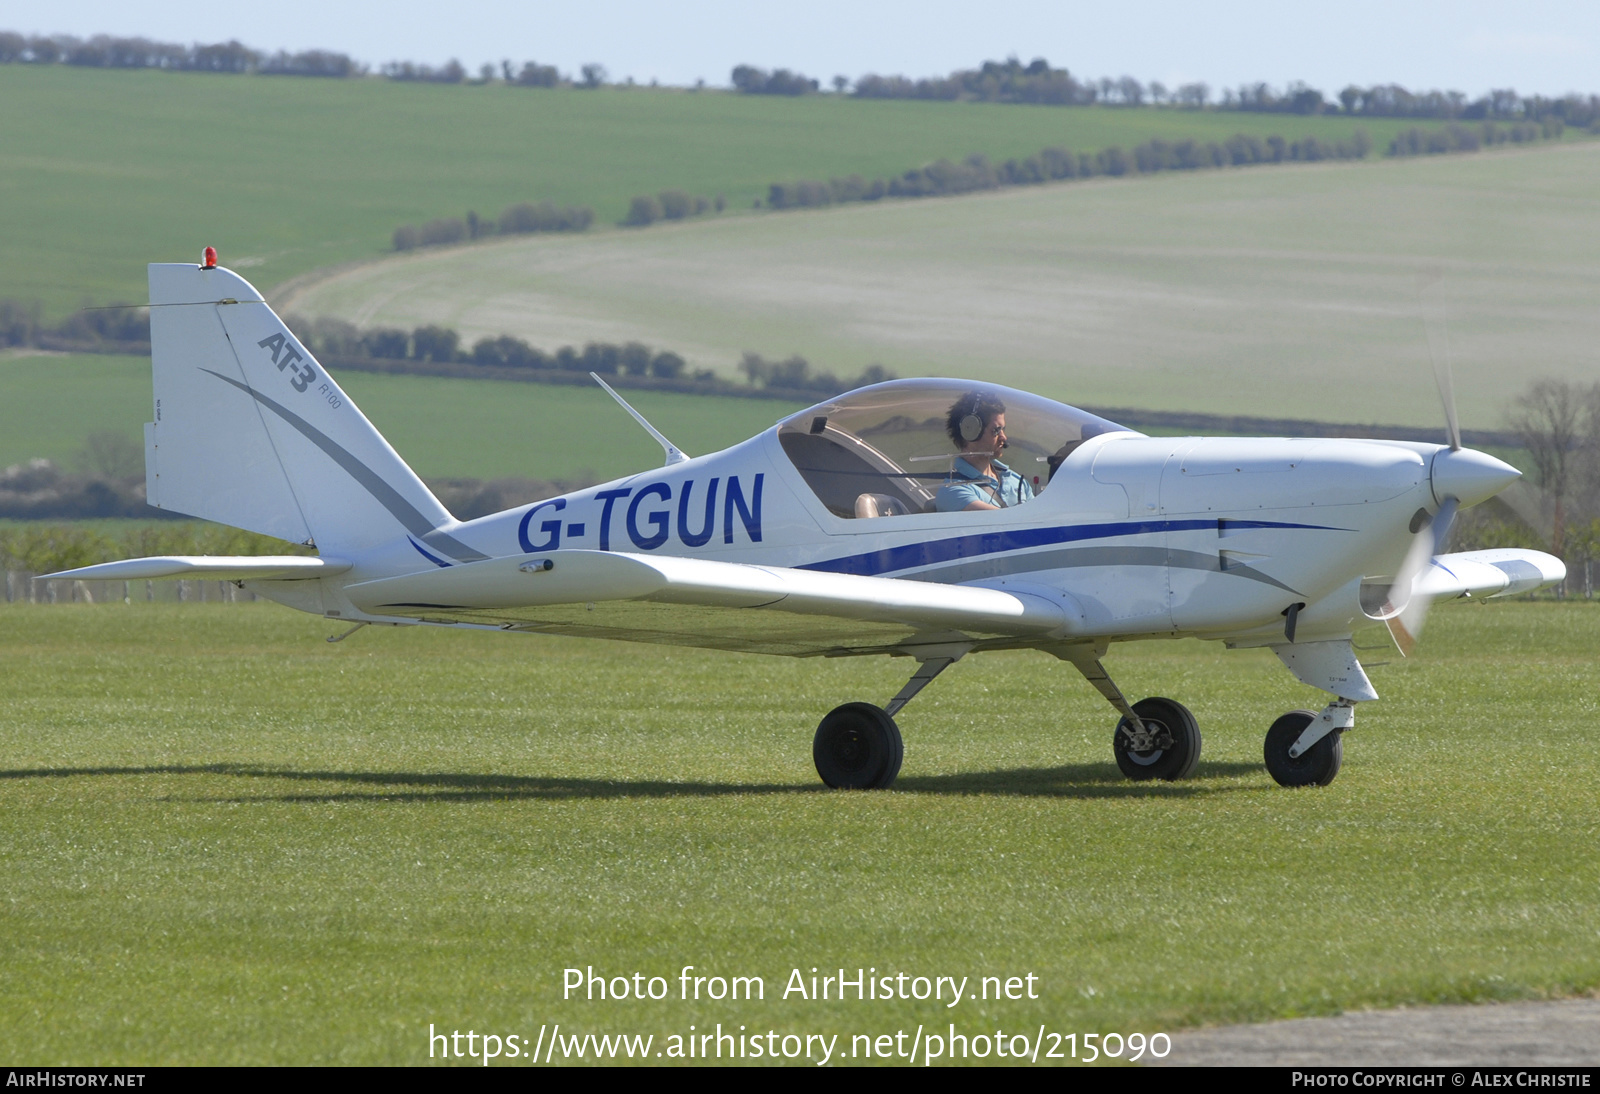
point(978, 480)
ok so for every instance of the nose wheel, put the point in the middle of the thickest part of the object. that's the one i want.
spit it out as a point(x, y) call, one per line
point(1316, 766)
point(1166, 746)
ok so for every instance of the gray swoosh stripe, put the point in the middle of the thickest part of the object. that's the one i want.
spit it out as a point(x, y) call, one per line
point(1068, 558)
point(1198, 560)
point(387, 496)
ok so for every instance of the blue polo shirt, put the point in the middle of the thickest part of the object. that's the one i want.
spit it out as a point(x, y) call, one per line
point(1002, 487)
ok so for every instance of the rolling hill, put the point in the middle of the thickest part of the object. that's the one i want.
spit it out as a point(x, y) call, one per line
point(1289, 291)
point(103, 171)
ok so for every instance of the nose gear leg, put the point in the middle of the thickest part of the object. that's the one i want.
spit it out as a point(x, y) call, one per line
point(1337, 716)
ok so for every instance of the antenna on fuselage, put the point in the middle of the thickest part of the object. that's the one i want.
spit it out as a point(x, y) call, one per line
point(674, 453)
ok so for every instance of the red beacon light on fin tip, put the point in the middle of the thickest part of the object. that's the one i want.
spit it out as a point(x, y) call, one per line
point(210, 262)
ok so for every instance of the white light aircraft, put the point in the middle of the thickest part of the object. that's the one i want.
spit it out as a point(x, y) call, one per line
point(824, 536)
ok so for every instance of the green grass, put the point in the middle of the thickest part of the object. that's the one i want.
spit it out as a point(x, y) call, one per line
point(225, 841)
point(1280, 292)
point(445, 428)
point(105, 171)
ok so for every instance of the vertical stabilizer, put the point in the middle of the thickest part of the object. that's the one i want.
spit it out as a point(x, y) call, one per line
point(250, 430)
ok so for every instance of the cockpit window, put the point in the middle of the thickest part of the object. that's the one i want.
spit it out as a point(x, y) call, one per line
point(886, 450)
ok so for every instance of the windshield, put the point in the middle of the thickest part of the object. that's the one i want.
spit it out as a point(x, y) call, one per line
point(886, 450)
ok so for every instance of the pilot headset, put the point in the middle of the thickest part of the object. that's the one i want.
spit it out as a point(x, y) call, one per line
point(971, 428)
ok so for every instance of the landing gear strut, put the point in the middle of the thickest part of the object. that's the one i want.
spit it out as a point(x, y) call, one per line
point(1156, 738)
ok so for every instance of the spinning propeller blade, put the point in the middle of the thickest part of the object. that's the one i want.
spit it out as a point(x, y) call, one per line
point(1406, 627)
point(1433, 321)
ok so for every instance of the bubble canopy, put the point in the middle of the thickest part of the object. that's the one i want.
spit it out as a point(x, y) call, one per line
point(885, 450)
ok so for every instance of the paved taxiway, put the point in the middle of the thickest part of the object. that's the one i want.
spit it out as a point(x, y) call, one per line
point(1545, 1033)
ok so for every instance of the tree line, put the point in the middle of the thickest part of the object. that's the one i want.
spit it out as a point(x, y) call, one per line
point(976, 172)
point(336, 340)
point(546, 216)
point(235, 58)
point(994, 81)
point(670, 205)
point(1462, 138)
point(1008, 81)
point(755, 81)
point(519, 219)
point(795, 374)
point(1394, 101)
point(108, 51)
point(1038, 82)
point(126, 328)
point(104, 479)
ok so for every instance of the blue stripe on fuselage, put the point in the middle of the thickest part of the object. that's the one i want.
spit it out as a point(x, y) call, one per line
point(433, 558)
point(932, 552)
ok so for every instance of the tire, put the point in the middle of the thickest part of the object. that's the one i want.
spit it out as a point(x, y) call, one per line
point(858, 747)
point(1316, 767)
point(1168, 764)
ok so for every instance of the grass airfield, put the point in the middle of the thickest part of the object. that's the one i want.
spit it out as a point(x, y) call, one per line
point(1287, 291)
point(225, 841)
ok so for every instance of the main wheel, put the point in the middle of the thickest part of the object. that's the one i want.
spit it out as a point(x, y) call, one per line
point(1176, 742)
point(1316, 766)
point(858, 747)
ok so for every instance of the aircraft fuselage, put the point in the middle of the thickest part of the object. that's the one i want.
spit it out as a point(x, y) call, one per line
point(1214, 537)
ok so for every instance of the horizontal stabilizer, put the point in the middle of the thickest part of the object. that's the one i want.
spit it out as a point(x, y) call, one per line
point(1505, 571)
point(211, 568)
point(575, 577)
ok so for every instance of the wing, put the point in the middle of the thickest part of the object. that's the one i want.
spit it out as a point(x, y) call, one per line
point(720, 605)
point(1505, 571)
